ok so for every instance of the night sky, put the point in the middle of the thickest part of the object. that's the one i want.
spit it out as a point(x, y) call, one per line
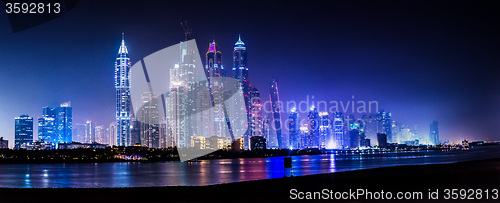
point(421, 60)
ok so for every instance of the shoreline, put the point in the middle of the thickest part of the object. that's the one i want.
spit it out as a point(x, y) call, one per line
point(462, 175)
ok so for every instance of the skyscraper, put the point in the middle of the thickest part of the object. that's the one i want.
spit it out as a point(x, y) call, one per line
point(324, 130)
point(123, 100)
point(240, 72)
point(64, 123)
point(112, 134)
point(338, 130)
point(79, 133)
point(150, 122)
point(56, 124)
point(47, 126)
point(23, 131)
point(384, 124)
point(311, 139)
point(434, 133)
point(293, 129)
point(276, 109)
point(89, 132)
point(100, 134)
point(255, 113)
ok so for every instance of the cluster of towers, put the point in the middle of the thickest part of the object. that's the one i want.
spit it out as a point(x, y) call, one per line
point(185, 127)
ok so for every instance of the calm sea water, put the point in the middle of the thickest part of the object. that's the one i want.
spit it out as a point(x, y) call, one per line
point(207, 172)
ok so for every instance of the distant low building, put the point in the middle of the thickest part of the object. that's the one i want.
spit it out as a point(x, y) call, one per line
point(76, 145)
point(4, 144)
point(38, 146)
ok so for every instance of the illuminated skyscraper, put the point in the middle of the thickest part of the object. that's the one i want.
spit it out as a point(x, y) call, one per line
point(47, 125)
point(150, 123)
point(384, 124)
point(100, 134)
point(240, 72)
point(23, 130)
point(255, 113)
point(112, 134)
point(434, 133)
point(64, 123)
point(123, 100)
point(89, 132)
point(293, 129)
point(338, 130)
point(275, 103)
point(324, 130)
point(311, 139)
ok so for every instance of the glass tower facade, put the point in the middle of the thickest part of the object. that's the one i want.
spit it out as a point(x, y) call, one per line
point(23, 130)
point(123, 100)
point(275, 102)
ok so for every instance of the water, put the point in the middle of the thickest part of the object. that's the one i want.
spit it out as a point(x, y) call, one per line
point(207, 172)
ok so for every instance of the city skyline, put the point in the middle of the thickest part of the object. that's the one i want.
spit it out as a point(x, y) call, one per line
point(448, 90)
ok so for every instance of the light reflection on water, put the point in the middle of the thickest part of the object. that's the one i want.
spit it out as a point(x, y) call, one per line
point(208, 172)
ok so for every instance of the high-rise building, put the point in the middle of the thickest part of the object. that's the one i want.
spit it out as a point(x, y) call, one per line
point(135, 132)
point(218, 118)
point(89, 132)
point(338, 131)
point(255, 113)
point(434, 133)
point(23, 131)
point(355, 139)
point(56, 124)
point(311, 140)
point(64, 123)
point(276, 109)
point(79, 133)
point(324, 130)
point(112, 134)
point(100, 134)
point(304, 135)
point(293, 129)
point(123, 100)
point(150, 121)
point(240, 72)
point(384, 124)
point(47, 126)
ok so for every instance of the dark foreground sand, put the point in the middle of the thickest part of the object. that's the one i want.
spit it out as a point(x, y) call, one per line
point(475, 174)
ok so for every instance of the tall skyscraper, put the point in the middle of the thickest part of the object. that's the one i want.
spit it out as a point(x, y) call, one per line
point(324, 130)
point(150, 121)
point(99, 134)
point(293, 129)
point(434, 133)
point(123, 100)
point(56, 124)
point(384, 124)
point(213, 66)
point(311, 139)
point(89, 132)
point(112, 134)
point(240, 72)
point(255, 113)
point(23, 131)
point(79, 133)
point(266, 130)
point(338, 130)
point(47, 126)
point(64, 123)
point(276, 109)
